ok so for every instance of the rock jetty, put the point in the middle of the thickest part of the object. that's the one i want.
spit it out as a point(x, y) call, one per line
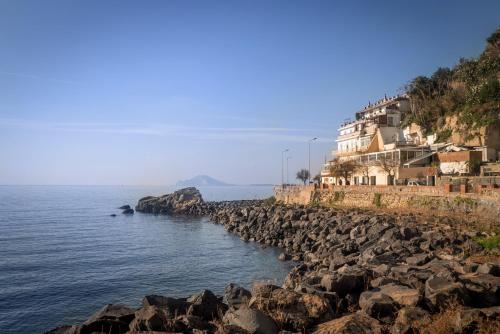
point(357, 272)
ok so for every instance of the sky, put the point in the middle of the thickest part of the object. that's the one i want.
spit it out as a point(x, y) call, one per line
point(151, 92)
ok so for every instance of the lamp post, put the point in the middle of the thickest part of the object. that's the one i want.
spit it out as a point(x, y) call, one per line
point(282, 163)
point(287, 181)
point(309, 144)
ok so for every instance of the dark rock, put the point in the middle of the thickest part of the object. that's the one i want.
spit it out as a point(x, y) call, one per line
point(409, 320)
point(483, 289)
point(174, 306)
point(418, 260)
point(236, 296)
point(284, 257)
point(181, 201)
point(128, 211)
point(150, 318)
point(488, 268)
point(378, 305)
point(347, 280)
point(401, 294)
point(206, 305)
point(113, 319)
point(251, 320)
point(124, 207)
point(113, 215)
point(65, 329)
point(441, 291)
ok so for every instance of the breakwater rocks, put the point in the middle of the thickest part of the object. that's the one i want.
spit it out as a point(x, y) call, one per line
point(357, 272)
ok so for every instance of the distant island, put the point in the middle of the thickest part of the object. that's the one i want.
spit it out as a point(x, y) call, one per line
point(202, 180)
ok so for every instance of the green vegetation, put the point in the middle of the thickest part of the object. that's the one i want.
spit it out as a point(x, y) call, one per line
point(270, 201)
point(377, 200)
point(338, 196)
point(489, 243)
point(470, 91)
point(464, 200)
point(443, 135)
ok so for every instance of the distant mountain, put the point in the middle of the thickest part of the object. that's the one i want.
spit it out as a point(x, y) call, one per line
point(200, 181)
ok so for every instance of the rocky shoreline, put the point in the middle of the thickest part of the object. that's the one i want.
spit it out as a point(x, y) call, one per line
point(358, 272)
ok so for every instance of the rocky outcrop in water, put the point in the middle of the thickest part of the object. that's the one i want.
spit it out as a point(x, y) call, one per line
point(357, 272)
point(183, 201)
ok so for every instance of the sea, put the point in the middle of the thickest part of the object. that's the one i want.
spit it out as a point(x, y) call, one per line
point(63, 256)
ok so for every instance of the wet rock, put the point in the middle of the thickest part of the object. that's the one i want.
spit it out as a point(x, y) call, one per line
point(128, 211)
point(124, 207)
point(284, 257)
point(251, 320)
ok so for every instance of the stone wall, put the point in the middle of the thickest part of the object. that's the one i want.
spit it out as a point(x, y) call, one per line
point(486, 204)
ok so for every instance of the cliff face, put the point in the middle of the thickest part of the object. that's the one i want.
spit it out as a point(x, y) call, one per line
point(181, 201)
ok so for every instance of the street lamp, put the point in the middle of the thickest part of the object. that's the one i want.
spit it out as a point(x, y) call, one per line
point(282, 163)
point(309, 144)
point(287, 182)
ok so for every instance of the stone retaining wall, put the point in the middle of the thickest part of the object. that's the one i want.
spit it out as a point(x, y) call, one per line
point(486, 204)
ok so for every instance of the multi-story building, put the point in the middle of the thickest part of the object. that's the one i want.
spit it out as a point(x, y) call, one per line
point(377, 145)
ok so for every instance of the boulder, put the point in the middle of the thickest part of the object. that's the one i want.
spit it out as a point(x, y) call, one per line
point(488, 268)
point(442, 291)
point(378, 305)
point(65, 329)
point(292, 310)
point(180, 201)
point(484, 289)
point(113, 319)
point(251, 320)
point(151, 318)
point(419, 259)
point(284, 257)
point(409, 319)
point(206, 305)
point(235, 295)
point(356, 323)
point(345, 280)
point(401, 294)
point(124, 207)
point(174, 306)
point(128, 211)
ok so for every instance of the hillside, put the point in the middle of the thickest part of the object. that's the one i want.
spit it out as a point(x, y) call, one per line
point(462, 101)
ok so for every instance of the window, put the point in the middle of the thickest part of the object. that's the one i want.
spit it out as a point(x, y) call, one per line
point(373, 180)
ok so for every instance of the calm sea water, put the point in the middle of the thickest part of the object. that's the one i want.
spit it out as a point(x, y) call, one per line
point(62, 256)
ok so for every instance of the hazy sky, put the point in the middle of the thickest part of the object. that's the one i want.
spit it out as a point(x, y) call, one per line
point(150, 92)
